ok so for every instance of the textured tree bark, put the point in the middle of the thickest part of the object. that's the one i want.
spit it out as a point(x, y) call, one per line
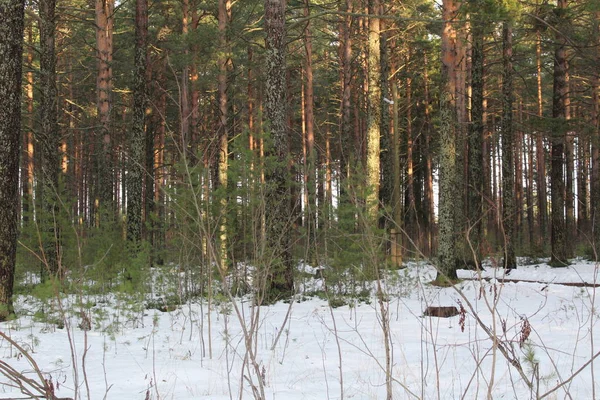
point(27, 163)
point(373, 112)
point(223, 17)
point(447, 254)
point(104, 44)
point(49, 137)
point(559, 256)
point(475, 154)
point(347, 149)
point(280, 276)
point(309, 121)
point(137, 142)
point(508, 142)
point(11, 62)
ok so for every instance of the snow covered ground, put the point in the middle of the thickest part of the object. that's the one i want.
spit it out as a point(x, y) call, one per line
point(321, 352)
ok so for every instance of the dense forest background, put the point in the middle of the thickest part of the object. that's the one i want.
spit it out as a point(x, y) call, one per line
point(237, 138)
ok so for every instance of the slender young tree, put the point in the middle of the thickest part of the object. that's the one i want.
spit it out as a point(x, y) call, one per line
point(11, 63)
point(137, 142)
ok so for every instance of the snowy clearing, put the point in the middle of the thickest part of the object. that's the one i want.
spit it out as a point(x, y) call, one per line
point(136, 353)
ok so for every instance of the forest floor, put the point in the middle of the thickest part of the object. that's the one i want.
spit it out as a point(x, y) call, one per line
point(548, 330)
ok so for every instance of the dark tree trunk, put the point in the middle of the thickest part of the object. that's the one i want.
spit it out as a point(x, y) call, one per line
point(11, 61)
point(508, 141)
point(541, 154)
point(475, 155)
point(135, 173)
point(559, 256)
point(280, 276)
point(49, 136)
point(595, 175)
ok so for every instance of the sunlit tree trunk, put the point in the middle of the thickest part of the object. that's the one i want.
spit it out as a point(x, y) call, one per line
point(27, 163)
point(373, 112)
point(447, 254)
point(309, 121)
point(345, 51)
point(224, 10)
point(104, 84)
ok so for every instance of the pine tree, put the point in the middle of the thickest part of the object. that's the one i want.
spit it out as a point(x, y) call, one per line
point(11, 61)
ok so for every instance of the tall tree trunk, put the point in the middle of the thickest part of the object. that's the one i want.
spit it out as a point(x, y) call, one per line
point(49, 136)
point(429, 205)
point(27, 163)
point(411, 208)
point(373, 112)
point(11, 61)
point(347, 153)
point(529, 174)
point(447, 254)
point(475, 154)
point(309, 120)
point(396, 250)
point(508, 164)
point(135, 173)
point(224, 10)
point(583, 167)
point(104, 48)
point(541, 154)
point(559, 256)
point(278, 228)
point(570, 222)
point(184, 91)
point(518, 170)
point(595, 175)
